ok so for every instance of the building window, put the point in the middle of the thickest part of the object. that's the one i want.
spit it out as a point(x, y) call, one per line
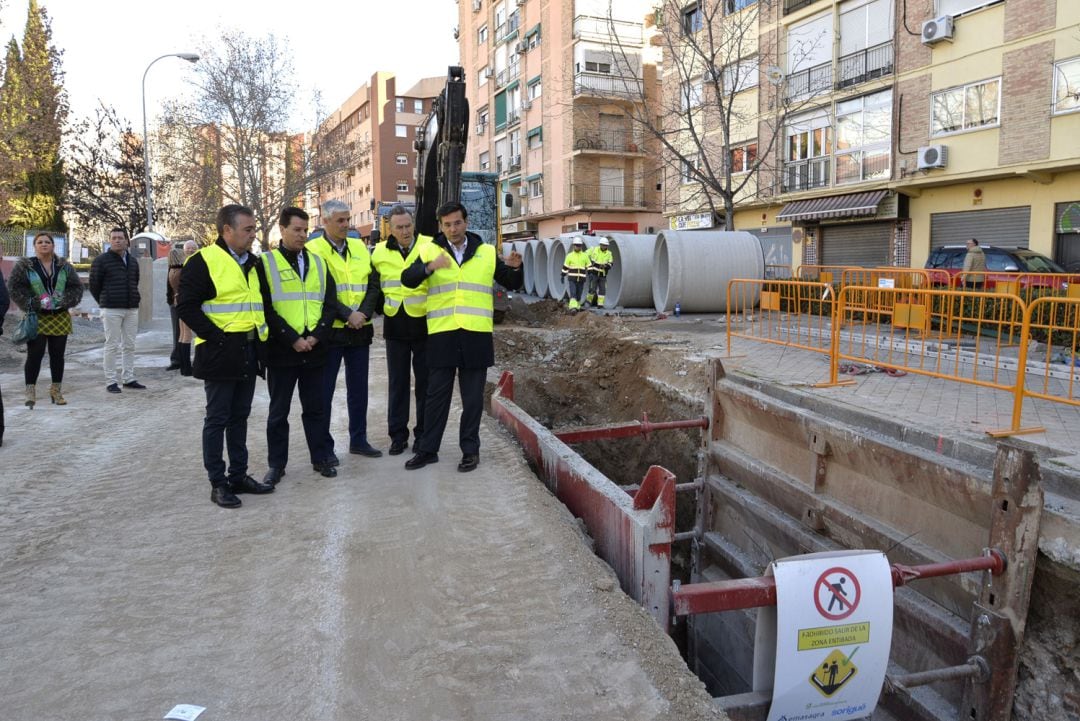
point(693, 19)
point(956, 7)
point(536, 188)
point(688, 171)
point(401, 131)
point(690, 94)
point(807, 149)
point(734, 6)
point(534, 89)
point(592, 66)
point(418, 107)
point(809, 57)
point(481, 77)
point(864, 138)
point(743, 157)
point(966, 107)
point(536, 138)
point(533, 40)
point(401, 159)
point(403, 186)
point(399, 105)
point(1067, 86)
point(515, 143)
point(741, 75)
point(481, 35)
point(485, 160)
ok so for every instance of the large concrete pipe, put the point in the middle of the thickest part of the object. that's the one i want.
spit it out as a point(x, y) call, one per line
point(543, 250)
point(693, 268)
point(629, 282)
point(557, 287)
point(528, 263)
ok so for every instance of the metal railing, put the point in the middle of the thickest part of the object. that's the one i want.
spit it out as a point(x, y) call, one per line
point(786, 312)
point(510, 72)
point(605, 30)
point(511, 24)
point(791, 6)
point(612, 141)
point(606, 85)
point(607, 196)
point(806, 174)
point(12, 241)
point(809, 82)
point(863, 65)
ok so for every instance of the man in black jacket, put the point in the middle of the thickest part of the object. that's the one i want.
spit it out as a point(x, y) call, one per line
point(114, 283)
point(224, 309)
point(299, 326)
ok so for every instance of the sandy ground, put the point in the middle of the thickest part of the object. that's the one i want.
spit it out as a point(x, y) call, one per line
point(379, 594)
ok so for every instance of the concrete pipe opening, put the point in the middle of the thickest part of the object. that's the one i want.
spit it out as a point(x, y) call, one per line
point(543, 250)
point(693, 268)
point(528, 263)
point(629, 282)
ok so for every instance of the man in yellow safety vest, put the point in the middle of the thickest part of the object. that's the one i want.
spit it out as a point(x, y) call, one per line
point(456, 270)
point(300, 303)
point(221, 301)
point(404, 328)
point(600, 260)
point(574, 269)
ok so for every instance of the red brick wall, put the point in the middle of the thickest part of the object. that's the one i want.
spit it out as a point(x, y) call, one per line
point(1027, 17)
point(1027, 85)
point(910, 51)
point(913, 100)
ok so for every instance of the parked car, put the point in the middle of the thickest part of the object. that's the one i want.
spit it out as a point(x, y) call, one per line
point(949, 260)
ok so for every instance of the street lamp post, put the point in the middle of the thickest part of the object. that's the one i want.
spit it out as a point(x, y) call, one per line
point(191, 58)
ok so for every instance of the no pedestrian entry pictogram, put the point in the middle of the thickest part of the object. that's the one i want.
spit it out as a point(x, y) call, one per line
point(837, 593)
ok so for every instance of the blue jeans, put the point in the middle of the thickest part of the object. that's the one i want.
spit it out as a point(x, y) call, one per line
point(356, 388)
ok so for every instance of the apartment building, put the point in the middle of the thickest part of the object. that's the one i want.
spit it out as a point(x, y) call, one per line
point(551, 86)
point(377, 125)
point(897, 127)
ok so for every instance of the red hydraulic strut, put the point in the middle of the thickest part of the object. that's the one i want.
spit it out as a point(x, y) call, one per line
point(625, 430)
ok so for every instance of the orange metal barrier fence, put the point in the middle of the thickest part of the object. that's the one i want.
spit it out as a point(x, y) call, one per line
point(1053, 373)
point(796, 313)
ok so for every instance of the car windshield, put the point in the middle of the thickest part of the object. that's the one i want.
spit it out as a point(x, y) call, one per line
point(1039, 264)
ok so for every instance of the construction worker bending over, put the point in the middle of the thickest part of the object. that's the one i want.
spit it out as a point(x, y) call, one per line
point(599, 264)
point(575, 269)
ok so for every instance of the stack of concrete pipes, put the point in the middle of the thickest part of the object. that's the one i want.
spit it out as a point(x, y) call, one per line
point(691, 268)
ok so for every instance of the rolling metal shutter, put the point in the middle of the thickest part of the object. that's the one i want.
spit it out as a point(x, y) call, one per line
point(864, 244)
point(1008, 227)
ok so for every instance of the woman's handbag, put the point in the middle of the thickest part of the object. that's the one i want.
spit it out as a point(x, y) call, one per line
point(26, 330)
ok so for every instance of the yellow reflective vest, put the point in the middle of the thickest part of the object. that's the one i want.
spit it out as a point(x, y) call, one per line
point(351, 275)
point(298, 301)
point(389, 264)
point(237, 307)
point(461, 297)
point(577, 262)
point(599, 260)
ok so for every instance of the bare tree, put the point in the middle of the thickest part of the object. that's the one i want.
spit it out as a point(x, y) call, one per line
point(105, 180)
point(230, 142)
point(720, 116)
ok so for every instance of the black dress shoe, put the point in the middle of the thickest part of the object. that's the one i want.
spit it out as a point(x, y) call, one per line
point(469, 462)
point(224, 497)
point(333, 461)
point(420, 460)
point(273, 476)
point(174, 366)
point(112, 388)
point(135, 386)
point(247, 484)
point(366, 450)
point(398, 447)
point(325, 469)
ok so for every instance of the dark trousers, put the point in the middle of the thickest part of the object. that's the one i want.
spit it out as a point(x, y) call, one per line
point(175, 316)
point(574, 286)
point(35, 352)
point(228, 405)
point(356, 388)
point(437, 407)
point(400, 355)
point(597, 282)
point(281, 382)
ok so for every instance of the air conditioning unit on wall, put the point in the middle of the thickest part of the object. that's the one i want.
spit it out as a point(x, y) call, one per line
point(933, 156)
point(938, 29)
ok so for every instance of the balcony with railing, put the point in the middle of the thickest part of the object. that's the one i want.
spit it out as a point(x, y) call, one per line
point(608, 196)
point(603, 30)
point(609, 141)
point(507, 74)
point(809, 82)
point(806, 175)
point(791, 6)
point(508, 27)
point(863, 65)
point(513, 116)
point(605, 85)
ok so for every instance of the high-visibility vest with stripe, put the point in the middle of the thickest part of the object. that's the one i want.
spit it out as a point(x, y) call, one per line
point(599, 260)
point(461, 297)
point(577, 262)
point(237, 307)
point(389, 263)
point(298, 301)
point(350, 275)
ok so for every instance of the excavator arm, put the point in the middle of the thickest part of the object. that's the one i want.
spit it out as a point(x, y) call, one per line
point(440, 152)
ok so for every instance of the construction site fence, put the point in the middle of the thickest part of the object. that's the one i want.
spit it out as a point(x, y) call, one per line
point(980, 337)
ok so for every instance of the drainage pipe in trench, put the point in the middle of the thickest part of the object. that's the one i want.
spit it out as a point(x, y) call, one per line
point(540, 266)
point(629, 282)
point(557, 286)
point(528, 263)
point(693, 268)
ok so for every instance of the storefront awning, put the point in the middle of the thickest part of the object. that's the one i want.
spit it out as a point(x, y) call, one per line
point(855, 205)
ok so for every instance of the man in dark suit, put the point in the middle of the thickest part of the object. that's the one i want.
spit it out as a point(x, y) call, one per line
point(458, 269)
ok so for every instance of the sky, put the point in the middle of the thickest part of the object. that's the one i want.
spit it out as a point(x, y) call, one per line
point(107, 45)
